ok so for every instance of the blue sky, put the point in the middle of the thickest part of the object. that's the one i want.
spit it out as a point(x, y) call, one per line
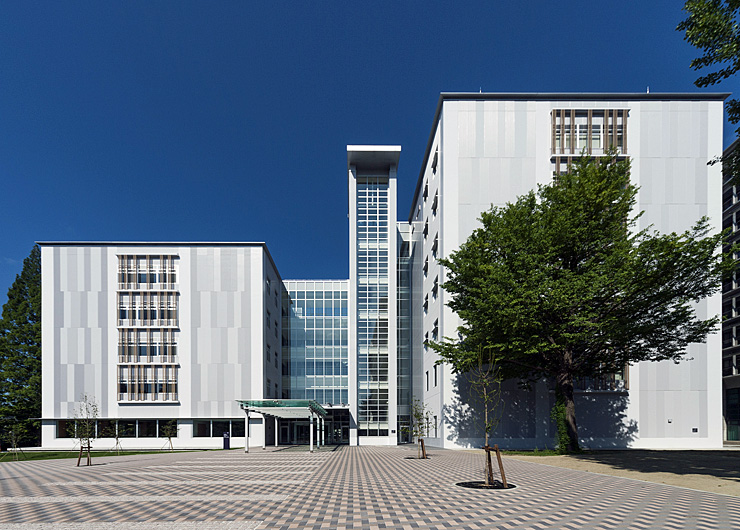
point(228, 121)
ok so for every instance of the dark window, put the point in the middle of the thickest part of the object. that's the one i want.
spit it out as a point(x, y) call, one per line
point(237, 428)
point(167, 425)
point(65, 429)
point(219, 428)
point(147, 428)
point(127, 428)
point(202, 428)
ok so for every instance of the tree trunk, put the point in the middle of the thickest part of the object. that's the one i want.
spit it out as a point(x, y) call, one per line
point(565, 389)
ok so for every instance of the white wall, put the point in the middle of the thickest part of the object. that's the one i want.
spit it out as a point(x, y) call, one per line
point(491, 152)
point(221, 303)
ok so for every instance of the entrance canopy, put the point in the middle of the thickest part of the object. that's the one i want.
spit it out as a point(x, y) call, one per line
point(284, 408)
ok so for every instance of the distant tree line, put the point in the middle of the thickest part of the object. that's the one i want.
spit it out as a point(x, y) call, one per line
point(20, 357)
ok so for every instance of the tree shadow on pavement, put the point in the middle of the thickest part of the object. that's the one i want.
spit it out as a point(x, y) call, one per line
point(725, 464)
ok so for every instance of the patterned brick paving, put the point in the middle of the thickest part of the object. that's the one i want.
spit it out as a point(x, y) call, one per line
point(353, 487)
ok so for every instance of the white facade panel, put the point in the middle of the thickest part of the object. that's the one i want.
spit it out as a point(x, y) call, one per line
point(219, 336)
point(493, 151)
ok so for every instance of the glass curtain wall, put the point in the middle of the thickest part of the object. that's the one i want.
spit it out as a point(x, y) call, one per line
point(372, 305)
point(316, 366)
point(404, 336)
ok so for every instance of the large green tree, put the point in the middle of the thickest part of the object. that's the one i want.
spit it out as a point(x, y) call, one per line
point(561, 284)
point(20, 351)
point(712, 27)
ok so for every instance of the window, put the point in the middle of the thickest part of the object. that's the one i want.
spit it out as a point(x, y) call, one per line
point(147, 345)
point(267, 354)
point(219, 427)
point(65, 428)
point(435, 331)
point(127, 428)
point(426, 303)
point(427, 379)
point(435, 375)
point(215, 428)
point(147, 272)
point(426, 228)
point(435, 202)
point(436, 433)
point(147, 309)
point(147, 428)
point(237, 428)
point(268, 319)
point(590, 130)
point(435, 160)
point(168, 427)
point(426, 266)
point(435, 245)
point(267, 389)
point(435, 288)
point(155, 382)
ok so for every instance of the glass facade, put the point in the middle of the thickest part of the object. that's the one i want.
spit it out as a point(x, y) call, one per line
point(372, 202)
point(315, 355)
point(404, 336)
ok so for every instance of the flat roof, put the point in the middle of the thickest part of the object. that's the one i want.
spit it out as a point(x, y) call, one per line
point(373, 156)
point(551, 96)
point(154, 243)
point(164, 244)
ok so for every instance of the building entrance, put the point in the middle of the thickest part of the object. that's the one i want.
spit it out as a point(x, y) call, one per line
point(336, 429)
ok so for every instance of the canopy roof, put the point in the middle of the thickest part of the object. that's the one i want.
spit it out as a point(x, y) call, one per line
point(283, 408)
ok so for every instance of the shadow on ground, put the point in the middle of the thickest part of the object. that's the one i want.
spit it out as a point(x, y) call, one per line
point(725, 464)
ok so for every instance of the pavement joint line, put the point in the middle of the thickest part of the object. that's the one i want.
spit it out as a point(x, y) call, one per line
point(213, 473)
point(227, 467)
point(137, 525)
point(142, 498)
point(173, 482)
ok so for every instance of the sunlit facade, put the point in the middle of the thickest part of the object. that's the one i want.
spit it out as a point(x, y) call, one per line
point(178, 332)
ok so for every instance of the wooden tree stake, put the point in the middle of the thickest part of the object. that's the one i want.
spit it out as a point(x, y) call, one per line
point(500, 466)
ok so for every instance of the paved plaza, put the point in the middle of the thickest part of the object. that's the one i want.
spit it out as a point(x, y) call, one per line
point(350, 487)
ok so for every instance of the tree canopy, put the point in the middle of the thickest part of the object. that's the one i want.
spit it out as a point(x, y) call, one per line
point(712, 27)
point(561, 284)
point(20, 350)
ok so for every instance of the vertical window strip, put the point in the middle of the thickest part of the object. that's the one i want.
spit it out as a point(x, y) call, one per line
point(624, 131)
point(572, 131)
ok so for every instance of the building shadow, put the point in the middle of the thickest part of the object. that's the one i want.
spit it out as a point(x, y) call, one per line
point(524, 418)
point(724, 464)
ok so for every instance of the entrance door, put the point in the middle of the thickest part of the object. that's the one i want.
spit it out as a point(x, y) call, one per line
point(284, 434)
point(301, 433)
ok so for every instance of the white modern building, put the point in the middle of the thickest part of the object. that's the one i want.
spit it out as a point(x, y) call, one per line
point(488, 149)
point(156, 332)
point(180, 331)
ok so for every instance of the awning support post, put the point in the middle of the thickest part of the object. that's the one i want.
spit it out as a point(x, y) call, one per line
point(310, 435)
point(276, 431)
point(246, 433)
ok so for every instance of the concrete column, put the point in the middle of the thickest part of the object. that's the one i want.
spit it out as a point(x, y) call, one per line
point(246, 433)
point(276, 431)
point(310, 434)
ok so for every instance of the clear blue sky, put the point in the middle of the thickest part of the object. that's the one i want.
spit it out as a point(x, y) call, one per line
point(228, 121)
